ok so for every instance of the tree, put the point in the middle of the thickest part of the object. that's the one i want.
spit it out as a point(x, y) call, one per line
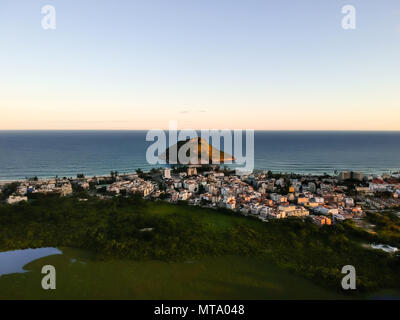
point(9, 189)
point(201, 189)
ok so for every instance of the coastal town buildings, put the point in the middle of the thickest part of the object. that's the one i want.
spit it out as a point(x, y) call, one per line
point(325, 200)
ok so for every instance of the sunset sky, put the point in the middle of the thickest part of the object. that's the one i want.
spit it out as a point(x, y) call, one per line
point(259, 64)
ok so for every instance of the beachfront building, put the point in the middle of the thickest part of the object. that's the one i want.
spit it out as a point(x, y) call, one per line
point(15, 199)
point(321, 220)
point(167, 173)
point(293, 211)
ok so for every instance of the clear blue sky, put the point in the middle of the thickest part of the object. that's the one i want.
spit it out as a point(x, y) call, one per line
point(206, 63)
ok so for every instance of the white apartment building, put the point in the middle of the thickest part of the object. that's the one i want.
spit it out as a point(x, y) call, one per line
point(15, 199)
point(167, 173)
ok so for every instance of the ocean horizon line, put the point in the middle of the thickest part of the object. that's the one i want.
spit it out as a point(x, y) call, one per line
point(47, 153)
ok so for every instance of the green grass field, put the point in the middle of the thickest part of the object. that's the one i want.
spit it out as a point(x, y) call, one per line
point(79, 276)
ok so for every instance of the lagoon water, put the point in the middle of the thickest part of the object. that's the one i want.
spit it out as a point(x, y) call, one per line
point(66, 153)
point(14, 261)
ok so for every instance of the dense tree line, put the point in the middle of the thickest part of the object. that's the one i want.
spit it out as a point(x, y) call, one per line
point(387, 226)
point(8, 190)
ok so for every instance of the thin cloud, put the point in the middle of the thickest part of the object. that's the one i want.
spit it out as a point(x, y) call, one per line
point(192, 111)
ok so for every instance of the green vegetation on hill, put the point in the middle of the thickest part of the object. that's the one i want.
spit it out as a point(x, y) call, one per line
point(387, 227)
point(8, 190)
point(132, 228)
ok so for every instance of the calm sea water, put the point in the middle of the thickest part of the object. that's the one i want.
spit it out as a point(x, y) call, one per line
point(66, 153)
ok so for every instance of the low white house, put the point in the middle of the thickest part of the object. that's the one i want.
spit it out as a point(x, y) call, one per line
point(15, 199)
point(326, 211)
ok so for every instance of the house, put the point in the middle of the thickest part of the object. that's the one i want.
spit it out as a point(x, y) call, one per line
point(190, 185)
point(15, 199)
point(338, 217)
point(326, 210)
point(321, 220)
point(191, 171)
point(293, 211)
point(349, 202)
point(302, 200)
point(167, 173)
point(231, 204)
point(183, 195)
point(278, 198)
point(265, 211)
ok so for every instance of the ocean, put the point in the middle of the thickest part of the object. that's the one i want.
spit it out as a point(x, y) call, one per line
point(67, 153)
